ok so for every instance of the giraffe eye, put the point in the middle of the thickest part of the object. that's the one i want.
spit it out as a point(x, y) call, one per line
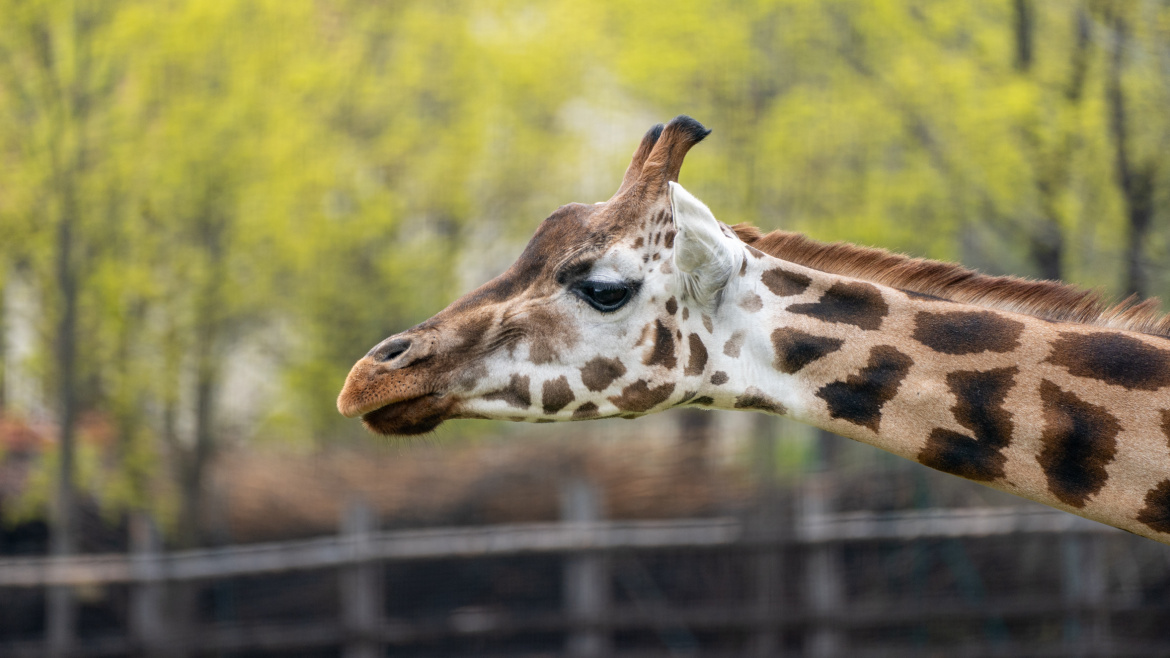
point(604, 296)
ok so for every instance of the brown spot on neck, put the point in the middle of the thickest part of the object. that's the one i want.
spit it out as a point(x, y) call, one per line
point(796, 349)
point(783, 283)
point(1080, 440)
point(1113, 358)
point(980, 409)
point(967, 332)
point(857, 303)
point(859, 398)
point(1156, 513)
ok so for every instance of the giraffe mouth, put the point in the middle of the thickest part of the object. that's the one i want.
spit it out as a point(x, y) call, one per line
point(410, 417)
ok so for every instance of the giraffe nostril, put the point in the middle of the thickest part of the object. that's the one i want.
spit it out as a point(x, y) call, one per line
point(391, 350)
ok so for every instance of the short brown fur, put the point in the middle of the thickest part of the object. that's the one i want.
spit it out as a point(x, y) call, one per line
point(1049, 300)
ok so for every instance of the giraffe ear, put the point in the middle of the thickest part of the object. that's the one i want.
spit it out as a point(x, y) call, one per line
point(703, 255)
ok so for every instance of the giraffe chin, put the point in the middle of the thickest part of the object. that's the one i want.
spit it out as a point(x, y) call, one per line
point(409, 417)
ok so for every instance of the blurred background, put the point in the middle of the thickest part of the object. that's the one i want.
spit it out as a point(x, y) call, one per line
point(209, 209)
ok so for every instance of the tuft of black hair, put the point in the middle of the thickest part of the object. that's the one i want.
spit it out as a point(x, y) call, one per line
point(654, 133)
point(689, 127)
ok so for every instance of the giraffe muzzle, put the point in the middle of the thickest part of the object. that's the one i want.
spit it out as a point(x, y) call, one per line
point(389, 374)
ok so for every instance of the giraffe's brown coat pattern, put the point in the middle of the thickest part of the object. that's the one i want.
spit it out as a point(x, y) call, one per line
point(697, 359)
point(757, 400)
point(859, 304)
point(515, 394)
point(663, 352)
point(784, 283)
point(732, 346)
point(640, 397)
point(980, 395)
point(967, 332)
point(859, 398)
point(1032, 387)
point(796, 349)
point(1080, 440)
point(751, 302)
point(599, 372)
point(1113, 358)
point(556, 394)
point(1156, 512)
point(587, 410)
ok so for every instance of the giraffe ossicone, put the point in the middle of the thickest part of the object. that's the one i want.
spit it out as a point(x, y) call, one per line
point(646, 302)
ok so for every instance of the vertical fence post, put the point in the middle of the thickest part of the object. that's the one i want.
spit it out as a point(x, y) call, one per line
point(765, 641)
point(824, 584)
point(1084, 584)
point(361, 601)
point(146, 622)
point(586, 576)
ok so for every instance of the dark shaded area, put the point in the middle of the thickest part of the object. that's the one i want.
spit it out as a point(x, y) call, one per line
point(796, 349)
point(1113, 358)
point(1156, 513)
point(782, 282)
point(979, 409)
point(1080, 439)
point(516, 394)
point(556, 394)
point(755, 399)
point(697, 357)
point(859, 398)
point(859, 304)
point(967, 332)
point(640, 397)
point(598, 373)
point(663, 352)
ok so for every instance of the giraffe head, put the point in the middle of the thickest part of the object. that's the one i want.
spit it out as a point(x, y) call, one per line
point(587, 323)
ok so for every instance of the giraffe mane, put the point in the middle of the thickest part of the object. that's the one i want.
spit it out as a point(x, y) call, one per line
point(1048, 300)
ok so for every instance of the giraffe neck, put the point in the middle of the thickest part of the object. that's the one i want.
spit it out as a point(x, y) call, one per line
point(1073, 416)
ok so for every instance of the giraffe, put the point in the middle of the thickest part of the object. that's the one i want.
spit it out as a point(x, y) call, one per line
point(646, 302)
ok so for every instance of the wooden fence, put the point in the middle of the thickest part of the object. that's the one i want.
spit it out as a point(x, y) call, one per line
point(588, 616)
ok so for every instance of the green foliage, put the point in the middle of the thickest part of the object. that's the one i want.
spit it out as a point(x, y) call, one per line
point(296, 181)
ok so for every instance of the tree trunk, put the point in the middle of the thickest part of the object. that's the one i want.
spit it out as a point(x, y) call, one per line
point(60, 606)
point(3, 351)
point(1024, 25)
point(1135, 180)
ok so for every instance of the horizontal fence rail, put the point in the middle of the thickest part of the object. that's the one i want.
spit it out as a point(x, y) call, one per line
point(531, 538)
